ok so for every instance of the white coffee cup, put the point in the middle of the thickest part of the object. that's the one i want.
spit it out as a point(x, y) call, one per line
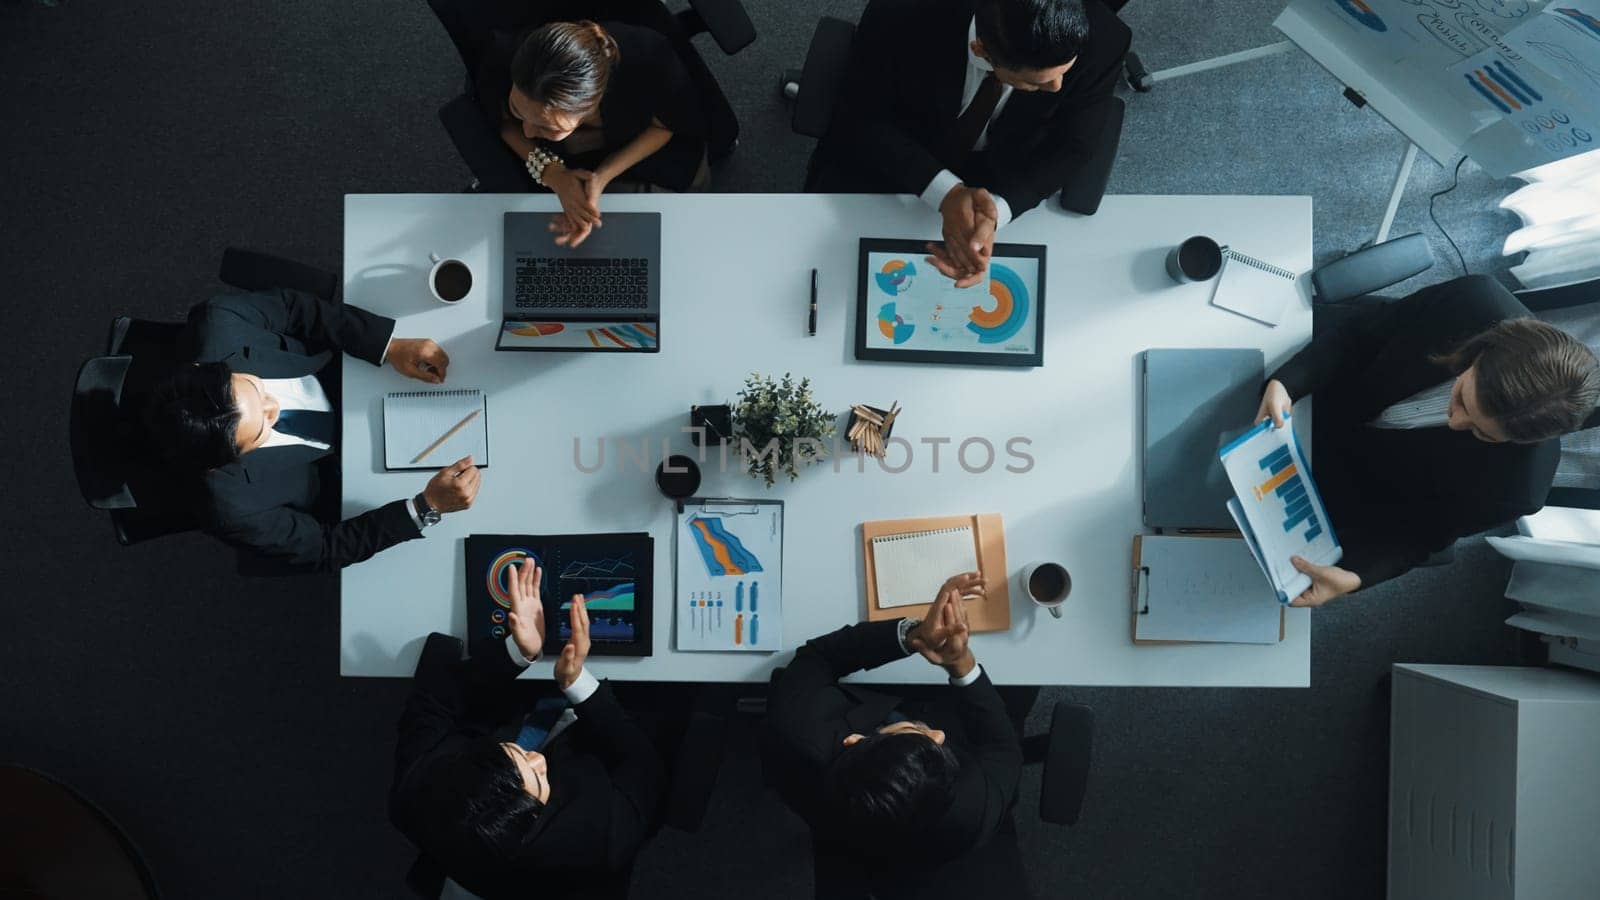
point(450, 279)
point(1047, 584)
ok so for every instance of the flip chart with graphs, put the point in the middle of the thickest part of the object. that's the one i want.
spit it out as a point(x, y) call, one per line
point(1277, 506)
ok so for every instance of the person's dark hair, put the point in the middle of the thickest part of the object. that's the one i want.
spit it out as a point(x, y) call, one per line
point(478, 797)
point(565, 65)
point(1535, 380)
point(1032, 34)
point(886, 785)
point(191, 416)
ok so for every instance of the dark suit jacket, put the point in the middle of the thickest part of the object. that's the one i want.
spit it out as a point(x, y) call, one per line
point(606, 780)
point(902, 95)
point(648, 82)
point(265, 501)
point(1397, 495)
point(809, 714)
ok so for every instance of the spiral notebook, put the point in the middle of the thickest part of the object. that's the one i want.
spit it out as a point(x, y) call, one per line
point(432, 429)
point(908, 560)
point(911, 567)
point(1252, 288)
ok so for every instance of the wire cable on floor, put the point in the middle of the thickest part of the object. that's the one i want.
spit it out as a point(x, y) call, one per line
point(1455, 181)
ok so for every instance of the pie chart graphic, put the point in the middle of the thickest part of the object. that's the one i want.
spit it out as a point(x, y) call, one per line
point(893, 326)
point(499, 575)
point(896, 276)
point(1362, 13)
point(535, 329)
point(1010, 312)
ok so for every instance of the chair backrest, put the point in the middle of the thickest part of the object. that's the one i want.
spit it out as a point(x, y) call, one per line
point(1575, 309)
point(111, 456)
point(99, 430)
point(472, 24)
point(827, 60)
point(1066, 763)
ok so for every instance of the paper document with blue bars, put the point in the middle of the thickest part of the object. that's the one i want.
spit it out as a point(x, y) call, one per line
point(1277, 507)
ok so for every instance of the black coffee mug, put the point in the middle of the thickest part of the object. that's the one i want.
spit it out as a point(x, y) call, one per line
point(678, 477)
point(1196, 259)
point(449, 279)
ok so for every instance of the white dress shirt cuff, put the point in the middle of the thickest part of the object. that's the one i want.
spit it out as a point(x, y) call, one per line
point(968, 678)
point(416, 517)
point(582, 687)
point(1002, 211)
point(946, 181)
point(388, 343)
point(940, 187)
point(516, 652)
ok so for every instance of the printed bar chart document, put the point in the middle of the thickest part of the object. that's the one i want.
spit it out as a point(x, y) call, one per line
point(1277, 507)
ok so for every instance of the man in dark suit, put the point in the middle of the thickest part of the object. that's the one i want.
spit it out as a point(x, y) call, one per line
point(981, 107)
point(1438, 416)
point(255, 419)
point(553, 802)
point(889, 791)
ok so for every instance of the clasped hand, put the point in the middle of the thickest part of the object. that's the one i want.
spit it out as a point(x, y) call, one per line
point(970, 220)
point(579, 191)
point(527, 623)
point(942, 637)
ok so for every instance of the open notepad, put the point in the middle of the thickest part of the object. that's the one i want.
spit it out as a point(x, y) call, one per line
point(1252, 288)
point(910, 568)
point(414, 420)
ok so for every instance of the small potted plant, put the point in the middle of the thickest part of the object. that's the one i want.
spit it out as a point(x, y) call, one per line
point(780, 427)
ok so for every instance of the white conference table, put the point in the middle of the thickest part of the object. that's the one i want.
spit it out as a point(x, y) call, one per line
point(735, 284)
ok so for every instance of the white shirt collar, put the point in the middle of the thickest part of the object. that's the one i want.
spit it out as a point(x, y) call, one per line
point(973, 59)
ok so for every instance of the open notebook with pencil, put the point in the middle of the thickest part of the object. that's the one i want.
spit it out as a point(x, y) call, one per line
point(432, 429)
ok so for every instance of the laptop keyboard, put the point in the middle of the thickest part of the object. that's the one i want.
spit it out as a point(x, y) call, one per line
point(571, 283)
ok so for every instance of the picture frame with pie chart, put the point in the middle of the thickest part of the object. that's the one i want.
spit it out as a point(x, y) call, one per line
point(906, 311)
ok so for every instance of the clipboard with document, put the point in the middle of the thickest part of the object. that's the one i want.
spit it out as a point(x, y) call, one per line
point(1201, 589)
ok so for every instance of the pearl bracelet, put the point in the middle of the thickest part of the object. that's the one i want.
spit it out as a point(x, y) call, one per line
point(538, 158)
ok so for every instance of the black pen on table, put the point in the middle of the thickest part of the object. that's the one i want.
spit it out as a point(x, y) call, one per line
point(811, 322)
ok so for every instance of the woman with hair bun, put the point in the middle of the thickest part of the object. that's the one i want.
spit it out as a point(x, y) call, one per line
point(596, 106)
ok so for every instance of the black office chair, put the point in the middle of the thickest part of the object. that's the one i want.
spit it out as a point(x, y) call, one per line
point(116, 470)
point(814, 91)
point(996, 869)
point(474, 24)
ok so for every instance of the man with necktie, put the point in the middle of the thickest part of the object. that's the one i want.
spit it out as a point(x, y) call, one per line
point(512, 799)
point(254, 419)
point(981, 107)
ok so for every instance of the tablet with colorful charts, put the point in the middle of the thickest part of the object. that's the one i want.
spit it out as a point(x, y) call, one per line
point(907, 312)
point(613, 572)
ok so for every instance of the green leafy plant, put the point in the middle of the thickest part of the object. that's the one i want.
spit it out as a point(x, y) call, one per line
point(780, 427)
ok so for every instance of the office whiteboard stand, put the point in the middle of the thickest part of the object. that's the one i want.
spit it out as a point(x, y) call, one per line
point(1143, 81)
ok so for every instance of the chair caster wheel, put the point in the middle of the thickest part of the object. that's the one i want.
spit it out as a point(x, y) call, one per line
point(789, 84)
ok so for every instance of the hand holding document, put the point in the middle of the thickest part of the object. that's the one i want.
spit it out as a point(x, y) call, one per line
point(1277, 507)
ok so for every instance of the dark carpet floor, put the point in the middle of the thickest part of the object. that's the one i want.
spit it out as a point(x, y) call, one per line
point(205, 712)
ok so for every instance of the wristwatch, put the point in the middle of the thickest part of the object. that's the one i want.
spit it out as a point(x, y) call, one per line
point(907, 625)
point(426, 513)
